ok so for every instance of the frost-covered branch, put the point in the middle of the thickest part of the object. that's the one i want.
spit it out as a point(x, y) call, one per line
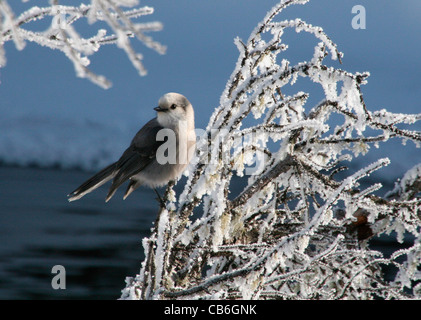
point(62, 33)
point(296, 230)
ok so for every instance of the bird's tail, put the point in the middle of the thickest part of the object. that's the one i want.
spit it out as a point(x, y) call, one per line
point(133, 185)
point(94, 182)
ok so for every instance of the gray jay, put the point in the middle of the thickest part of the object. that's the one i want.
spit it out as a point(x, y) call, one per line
point(158, 153)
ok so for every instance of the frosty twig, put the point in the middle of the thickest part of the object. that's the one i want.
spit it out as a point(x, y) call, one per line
point(295, 231)
point(62, 34)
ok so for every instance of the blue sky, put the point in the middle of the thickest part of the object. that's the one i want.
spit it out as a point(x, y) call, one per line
point(38, 83)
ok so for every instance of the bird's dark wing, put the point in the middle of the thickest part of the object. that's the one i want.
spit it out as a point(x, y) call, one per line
point(140, 153)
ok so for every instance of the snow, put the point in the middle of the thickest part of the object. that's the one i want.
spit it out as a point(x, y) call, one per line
point(63, 142)
point(63, 36)
point(276, 230)
point(297, 197)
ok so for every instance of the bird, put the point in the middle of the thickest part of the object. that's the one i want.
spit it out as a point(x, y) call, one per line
point(158, 153)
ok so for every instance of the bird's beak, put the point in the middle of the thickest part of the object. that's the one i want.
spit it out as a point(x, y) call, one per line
point(159, 109)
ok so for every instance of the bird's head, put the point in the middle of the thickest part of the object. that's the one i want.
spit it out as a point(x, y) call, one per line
point(172, 108)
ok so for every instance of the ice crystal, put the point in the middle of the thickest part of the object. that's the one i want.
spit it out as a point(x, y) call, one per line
point(297, 230)
point(62, 34)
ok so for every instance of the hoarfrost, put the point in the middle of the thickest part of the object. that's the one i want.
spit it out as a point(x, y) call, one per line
point(62, 34)
point(297, 230)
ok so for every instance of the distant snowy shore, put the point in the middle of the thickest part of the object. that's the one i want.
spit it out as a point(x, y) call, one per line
point(63, 143)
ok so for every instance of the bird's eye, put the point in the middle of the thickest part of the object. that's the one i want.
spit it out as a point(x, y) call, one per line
point(173, 106)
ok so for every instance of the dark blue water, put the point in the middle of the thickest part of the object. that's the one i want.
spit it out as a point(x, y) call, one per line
point(99, 244)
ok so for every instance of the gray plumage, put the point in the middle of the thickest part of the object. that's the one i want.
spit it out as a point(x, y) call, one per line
point(139, 163)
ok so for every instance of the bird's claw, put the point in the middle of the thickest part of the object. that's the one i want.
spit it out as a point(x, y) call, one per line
point(159, 199)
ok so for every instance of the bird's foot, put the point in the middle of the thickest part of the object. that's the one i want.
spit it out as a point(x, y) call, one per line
point(159, 199)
